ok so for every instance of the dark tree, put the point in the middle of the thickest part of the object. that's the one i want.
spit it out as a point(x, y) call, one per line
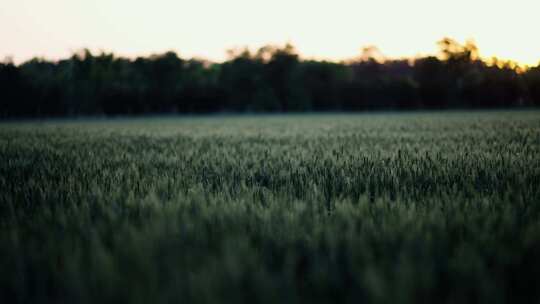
point(271, 79)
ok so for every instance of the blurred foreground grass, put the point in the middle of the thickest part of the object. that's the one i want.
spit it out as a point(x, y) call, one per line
point(383, 208)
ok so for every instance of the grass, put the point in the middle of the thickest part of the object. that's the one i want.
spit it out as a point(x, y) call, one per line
point(382, 208)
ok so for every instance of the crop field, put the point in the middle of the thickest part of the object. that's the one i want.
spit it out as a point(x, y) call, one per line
point(439, 207)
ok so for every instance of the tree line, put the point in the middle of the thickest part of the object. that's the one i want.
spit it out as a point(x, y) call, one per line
point(271, 79)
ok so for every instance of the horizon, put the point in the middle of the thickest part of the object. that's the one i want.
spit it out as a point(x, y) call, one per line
point(206, 30)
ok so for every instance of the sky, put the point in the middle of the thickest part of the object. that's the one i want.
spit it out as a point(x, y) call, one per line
point(331, 30)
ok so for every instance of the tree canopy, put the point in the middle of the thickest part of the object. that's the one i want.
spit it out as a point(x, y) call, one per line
point(271, 79)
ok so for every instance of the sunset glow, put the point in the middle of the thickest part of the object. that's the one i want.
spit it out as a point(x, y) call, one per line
point(55, 29)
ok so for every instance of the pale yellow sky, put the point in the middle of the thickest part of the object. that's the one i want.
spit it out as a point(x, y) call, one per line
point(334, 30)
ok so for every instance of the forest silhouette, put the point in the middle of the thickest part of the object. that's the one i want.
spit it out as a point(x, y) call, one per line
point(271, 79)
